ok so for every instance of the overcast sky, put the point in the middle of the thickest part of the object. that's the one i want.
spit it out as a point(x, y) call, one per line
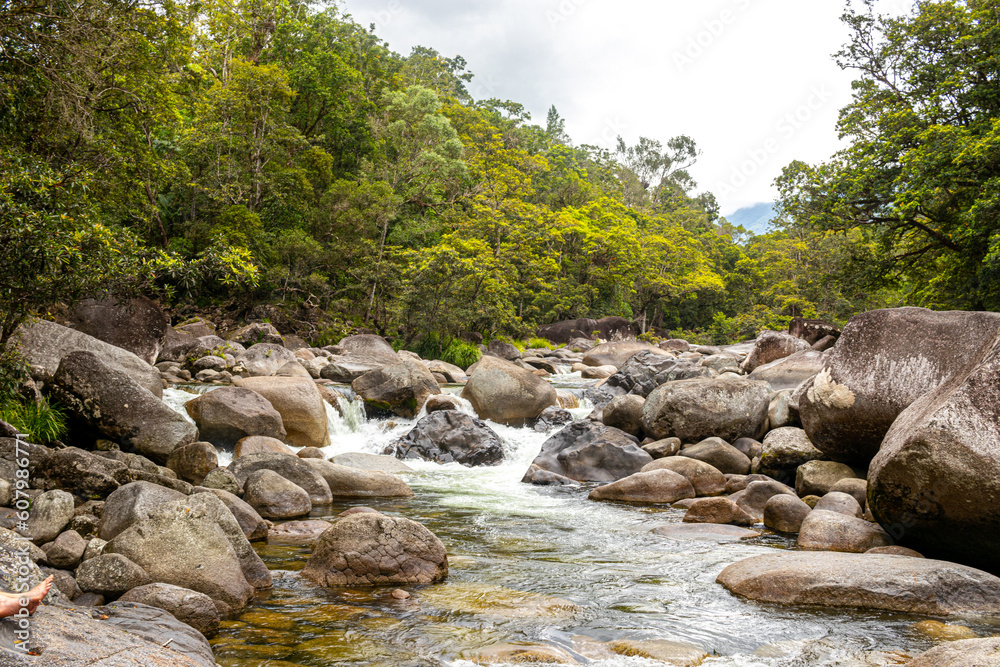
point(752, 81)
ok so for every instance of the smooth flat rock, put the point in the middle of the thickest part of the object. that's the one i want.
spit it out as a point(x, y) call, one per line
point(705, 531)
point(866, 581)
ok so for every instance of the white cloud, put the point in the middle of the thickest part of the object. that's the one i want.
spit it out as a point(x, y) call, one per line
point(752, 81)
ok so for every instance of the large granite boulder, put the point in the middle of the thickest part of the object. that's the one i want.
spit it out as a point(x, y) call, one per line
point(402, 388)
point(226, 415)
point(625, 413)
point(252, 524)
point(110, 575)
point(356, 355)
point(265, 359)
point(187, 606)
point(823, 530)
point(450, 437)
point(653, 487)
point(962, 653)
point(274, 497)
point(505, 393)
point(692, 410)
point(195, 543)
point(137, 325)
point(791, 371)
point(104, 401)
point(301, 406)
point(79, 472)
point(866, 581)
point(706, 479)
point(349, 482)
point(771, 346)
point(123, 633)
point(884, 361)
point(935, 482)
point(371, 549)
point(44, 344)
point(590, 452)
point(619, 352)
point(132, 503)
point(503, 350)
point(295, 470)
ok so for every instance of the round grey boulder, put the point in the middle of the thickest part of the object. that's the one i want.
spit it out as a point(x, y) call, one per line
point(274, 497)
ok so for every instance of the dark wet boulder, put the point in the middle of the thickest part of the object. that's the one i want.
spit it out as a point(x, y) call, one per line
point(44, 344)
point(653, 487)
point(865, 581)
point(590, 452)
point(935, 482)
point(402, 388)
point(541, 477)
point(551, 418)
point(106, 402)
point(137, 325)
point(884, 361)
point(607, 328)
point(692, 410)
point(371, 549)
point(226, 415)
point(450, 436)
point(508, 394)
point(647, 370)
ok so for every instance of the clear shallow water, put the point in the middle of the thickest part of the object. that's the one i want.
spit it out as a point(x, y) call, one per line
point(542, 566)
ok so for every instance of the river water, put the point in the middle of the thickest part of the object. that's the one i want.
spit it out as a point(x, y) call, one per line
point(540, 566)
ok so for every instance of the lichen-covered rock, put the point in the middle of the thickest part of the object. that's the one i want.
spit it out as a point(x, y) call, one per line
point(132, 503)
point(110, 575)
point(784, 450)
point(50, 512)
point(625, 413)
point(371, 549)
point(692, 410)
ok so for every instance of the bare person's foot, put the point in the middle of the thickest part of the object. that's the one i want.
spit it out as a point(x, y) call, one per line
point(11, 604)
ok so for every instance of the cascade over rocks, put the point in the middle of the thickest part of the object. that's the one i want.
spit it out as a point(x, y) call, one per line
point(505, 393)
point(137, 325)
point(692, 410)
point(866, 581)
point(44, 344)
point(587, 451)
point(884, 361)
point(109, 402)
point(228, 414)
point(935, 484)
point(450, 436)
point(301, 406)
point(402, 388)
point(371, 549)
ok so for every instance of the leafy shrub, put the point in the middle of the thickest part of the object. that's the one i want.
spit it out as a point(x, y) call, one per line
point(42, 423)
point(540, 343)
point(461, 354)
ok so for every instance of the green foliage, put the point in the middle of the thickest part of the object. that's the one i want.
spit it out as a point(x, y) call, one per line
point(42, 423)
point(539, 344)
point(461, 354)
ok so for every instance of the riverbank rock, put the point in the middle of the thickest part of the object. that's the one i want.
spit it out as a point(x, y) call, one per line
point(371, 549)
point(706, 479)
point(274, 497)
point(717, 510)
point(187, 606)
point(692, 410)
point(195, 543)
point(867, 581)
point(784, 450)
point(884, 361)
point(295, 470)
point(110, 575)
point(260, 444)
point(450, 436)
point(105, 401)
point(502, 392)
point(790, 372)
point(298, 401)
point(647, 370)
point(132, 503)
point(590, 452)
point(771, 346)
point(617, 353)
point(251, 523)
point(137, 325)
point(934, 482)
point(654, 487)
point(228, 414)
point(50, 512)
point(625, 413)
point(720, 455)
point(44, 344)
point(402, 388)
point(785, 513)
point(348, 482)
point(817, 478)
point(823, 530)
point(77, 471)
point(266, 359)
point(354, 356)
point(964, 653)
point(375, 462)
point(193, 462)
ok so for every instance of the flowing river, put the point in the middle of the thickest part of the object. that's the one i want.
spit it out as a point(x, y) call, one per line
point(539, 566)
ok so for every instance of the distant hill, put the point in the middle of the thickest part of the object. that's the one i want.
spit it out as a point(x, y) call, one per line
point(756, 218)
